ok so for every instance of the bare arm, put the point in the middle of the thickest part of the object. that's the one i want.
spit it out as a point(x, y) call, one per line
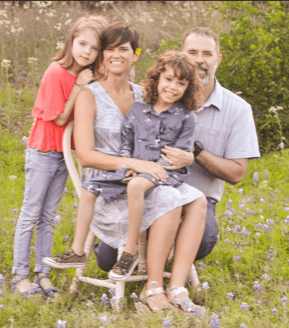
point(85, 111)
point(84, 77)
point(229, 170)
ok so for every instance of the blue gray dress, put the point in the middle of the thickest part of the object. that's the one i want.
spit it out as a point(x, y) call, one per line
point(110, 222)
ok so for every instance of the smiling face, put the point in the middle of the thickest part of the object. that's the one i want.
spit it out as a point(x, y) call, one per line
point(118, 60)
point(85, 49)
point(170, 88)
point(202, 50)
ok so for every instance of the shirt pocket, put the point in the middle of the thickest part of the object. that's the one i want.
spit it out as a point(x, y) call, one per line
point(213, 141)
point(144, 131)
point(171, 132)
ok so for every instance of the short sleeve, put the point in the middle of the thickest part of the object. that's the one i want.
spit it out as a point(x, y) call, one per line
point(50, 99)
point(242, 140)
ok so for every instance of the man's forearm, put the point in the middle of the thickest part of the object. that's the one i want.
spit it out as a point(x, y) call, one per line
point(229, 170)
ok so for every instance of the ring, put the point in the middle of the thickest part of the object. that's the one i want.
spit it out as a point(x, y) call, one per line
point(171, 163)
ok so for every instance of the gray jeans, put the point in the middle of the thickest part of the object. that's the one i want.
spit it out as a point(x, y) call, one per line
point(45, 179)
point(107, 256)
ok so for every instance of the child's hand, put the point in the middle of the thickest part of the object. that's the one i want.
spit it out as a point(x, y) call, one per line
point(85, 77)
point(129, 174)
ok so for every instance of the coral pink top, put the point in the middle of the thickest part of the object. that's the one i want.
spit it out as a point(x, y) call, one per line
point(53, 93)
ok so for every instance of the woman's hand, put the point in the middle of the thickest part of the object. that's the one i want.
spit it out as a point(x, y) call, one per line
point(156, 170)
point(85, 76)
point(176, 158)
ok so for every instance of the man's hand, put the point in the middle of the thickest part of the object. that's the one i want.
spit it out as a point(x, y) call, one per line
point(130, 175)
point(176, 158)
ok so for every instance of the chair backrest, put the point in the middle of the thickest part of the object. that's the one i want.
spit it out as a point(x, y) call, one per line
point(74, 174)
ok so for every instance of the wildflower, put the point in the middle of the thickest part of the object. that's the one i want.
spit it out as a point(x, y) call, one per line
point(104, 300)
point(284, 300)
point(274, 311)
point(229, 203)
point(227, 214)
point(75, 205)
point(244, 307)
point(205, 285)
point(57, 219)
point(59, 45)
point(133, 295)
point(242, 203)
point(260, 303)
point(265, 228)
point(66, 238)
point(269, 221)
point(2, 306)
point(230, 296)
point(265, 175)
point(240, 191)
point(6, 63)
point(261, 200)
point(250, 212)
point(202, 265)
point(111, 291)
point(242, 325)
point(237, 259)
point(275, 109)
point(218, 263)
point(31, 60)
point(154, 283)
point(65, 191)
point(286, 209)
point(276, 190)
point(257, 234)
point(1, 294)
point(60, 324)
point(215, 322)
point(89, 303)
point(227, 241)
point(24, 141)
point(12, 177)
point(264, 276)
point(104, 319)
point(257, 286)
point(281, 145)
point(2, 279)
point(167, 323)
point(15, 210)
point(189, 280)
point(255, 177)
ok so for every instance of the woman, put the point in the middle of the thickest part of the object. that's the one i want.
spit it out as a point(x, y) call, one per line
point(99, 111)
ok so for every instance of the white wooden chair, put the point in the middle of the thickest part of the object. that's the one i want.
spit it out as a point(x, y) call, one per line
point(119, 286)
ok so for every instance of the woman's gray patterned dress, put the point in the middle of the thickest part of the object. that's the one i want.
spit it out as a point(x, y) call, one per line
point(110, 221)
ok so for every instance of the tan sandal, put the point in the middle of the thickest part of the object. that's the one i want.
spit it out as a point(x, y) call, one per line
point(146, 295)
point(185, 304)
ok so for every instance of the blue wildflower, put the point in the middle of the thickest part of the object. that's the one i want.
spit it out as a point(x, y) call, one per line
point(257, 234)
point(260, 303)
point(13, 221)
point(2, 279)
point(229, 203)
point(286, 220)
point(284, 300)
point(202, 265)
point(250, 212)
point(60, 324)
point(104, 300)
point(111, 291)
point(265, 227)
point(104, 318)
point(215, 322)
point(205, 285)
point(66, 238)
point(57, 219)
point(240, 191)
point(2, 306)
point(1, 294)
point(230, 296)
point(154, 283)
point(237, 259)
point(274, 311)
point(167, 323)
point(242, 325)
point(133, 295)
point(244, 307)
point(196, 311)
point(15, 210)
point(255, 177)
point(257, 286)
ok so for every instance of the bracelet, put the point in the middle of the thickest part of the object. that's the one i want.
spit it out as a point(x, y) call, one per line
point(79, 85)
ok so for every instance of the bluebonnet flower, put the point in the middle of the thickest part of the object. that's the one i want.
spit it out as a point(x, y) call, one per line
point(255, 177)
point(257, 234)
point(196, 311)
point(57, 219)
point(1, 294)
point(111, 291)
point(2, 279)
point(189, 280)
point(244, 307)
point(74, 221)
point(13, 221)
point(15, 210)
point(284, 300)
point(271, 194)
point(260, 303)
point(242, 325)
point(265, 228)
point(276, 190)
point(2, 306)
point(66, 238)
point(104, 300)
point(215, 322)
point(250, 212)
point(24, 141)
point(242, 204)
point(227, 214)
point(274, 311)
point(269, 221)
point(89, 303)
point(257, 286)
point(60, 324)
point(227, 241)
point(240, 191)
point(104, 319)
point(286, 209)
point(265, 175)
point(229, 203)
point(154, 283)
point(286, 220)
point(113, 300)
point(202, 265)
point(75, 205)
point(245, 231)
point(237, 259)
point(218, 263)
point(230, 296)
point(133, 295)
point(205, 285)
point(261, 200)
point(233, 211)
point(167, 323)
point(258, 226)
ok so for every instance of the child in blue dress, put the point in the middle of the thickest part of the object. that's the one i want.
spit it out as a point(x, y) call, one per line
point(171, 94)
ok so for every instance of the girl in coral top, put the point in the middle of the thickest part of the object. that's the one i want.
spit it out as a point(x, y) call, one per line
point(45, 170)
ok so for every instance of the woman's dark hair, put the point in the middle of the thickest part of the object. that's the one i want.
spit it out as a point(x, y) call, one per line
point(119, 33)
point(184, 69)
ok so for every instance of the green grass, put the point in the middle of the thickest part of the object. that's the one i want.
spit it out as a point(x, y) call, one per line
point(253, 230)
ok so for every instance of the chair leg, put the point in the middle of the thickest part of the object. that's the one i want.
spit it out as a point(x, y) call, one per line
point(80, 271)
point(119, 294)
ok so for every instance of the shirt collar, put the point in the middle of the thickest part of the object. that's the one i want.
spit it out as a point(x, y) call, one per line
point(215, 99)
point(176, 107)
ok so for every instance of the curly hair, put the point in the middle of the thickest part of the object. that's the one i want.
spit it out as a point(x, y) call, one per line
point(184, 69)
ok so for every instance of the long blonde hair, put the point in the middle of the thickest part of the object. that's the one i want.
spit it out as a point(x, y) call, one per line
point(96, 24)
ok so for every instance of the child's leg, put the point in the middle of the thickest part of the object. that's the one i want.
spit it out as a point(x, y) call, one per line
point(136, 189)
point(84, 216)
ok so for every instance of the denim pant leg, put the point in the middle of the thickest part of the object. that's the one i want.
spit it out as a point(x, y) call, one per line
point(40, 169)
point(46, 225)
point(210, 238)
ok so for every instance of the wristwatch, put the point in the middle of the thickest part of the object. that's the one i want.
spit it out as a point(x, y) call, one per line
point(198, 148)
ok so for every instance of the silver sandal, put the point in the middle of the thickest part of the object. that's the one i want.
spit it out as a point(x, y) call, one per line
point(34, 289)
point(48, 292)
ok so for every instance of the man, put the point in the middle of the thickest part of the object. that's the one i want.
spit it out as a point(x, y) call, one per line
point(225, 136)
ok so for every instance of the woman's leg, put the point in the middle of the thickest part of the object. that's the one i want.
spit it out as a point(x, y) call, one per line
point(84, 216)
point(161, 237)
point(188, 241)
point(136, 189)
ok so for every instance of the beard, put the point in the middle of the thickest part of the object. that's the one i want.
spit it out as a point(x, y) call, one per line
point(205, 78)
